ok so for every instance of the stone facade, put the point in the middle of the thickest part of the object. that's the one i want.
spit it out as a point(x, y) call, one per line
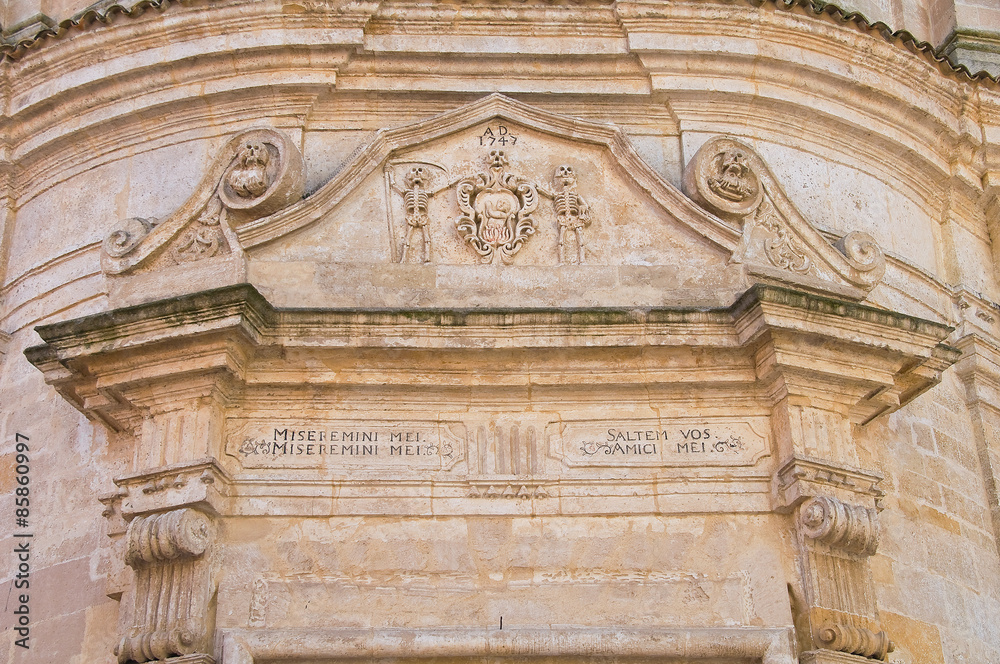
point(501, 331)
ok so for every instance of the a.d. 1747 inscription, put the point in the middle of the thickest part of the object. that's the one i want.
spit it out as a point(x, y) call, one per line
point(662, 443)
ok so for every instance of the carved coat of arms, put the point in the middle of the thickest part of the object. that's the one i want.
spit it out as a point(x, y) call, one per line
point(496, 210)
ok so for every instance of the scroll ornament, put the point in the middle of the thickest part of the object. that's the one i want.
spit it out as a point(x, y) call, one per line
point(850, 528)
point(257, 173)
point(731, 180)
point(854, 640)
point(169, 618)
point(496, 209)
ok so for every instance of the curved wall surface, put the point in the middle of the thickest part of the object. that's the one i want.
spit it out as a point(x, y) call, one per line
point(517, 330)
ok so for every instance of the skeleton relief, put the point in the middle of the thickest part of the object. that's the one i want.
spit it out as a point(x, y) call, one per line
point(415, 206)
point(572, 213)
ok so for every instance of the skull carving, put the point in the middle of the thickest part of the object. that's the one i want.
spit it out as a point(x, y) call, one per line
point(249, 178)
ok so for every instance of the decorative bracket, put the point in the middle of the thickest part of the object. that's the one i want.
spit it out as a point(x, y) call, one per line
point(171, 613)
point(258, 172)
point(727, 177)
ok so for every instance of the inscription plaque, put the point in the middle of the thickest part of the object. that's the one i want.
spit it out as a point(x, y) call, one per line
point(336, 444)
point(681, 442)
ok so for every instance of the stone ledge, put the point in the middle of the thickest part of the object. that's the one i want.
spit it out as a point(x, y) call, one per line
point(773, 645)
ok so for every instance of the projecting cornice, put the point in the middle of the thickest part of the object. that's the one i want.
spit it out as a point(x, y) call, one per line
point(873, 360)
point(42, 29)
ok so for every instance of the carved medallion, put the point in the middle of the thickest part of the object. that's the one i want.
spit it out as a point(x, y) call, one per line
point(249, 177)
point(265, 174)
point(496, 210)
point(723, 180)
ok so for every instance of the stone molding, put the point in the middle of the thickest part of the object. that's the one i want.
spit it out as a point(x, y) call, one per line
point(802, 477)
point(979, 370)
point(768, 645)
point(201, 483)
point(41, 28)
point(219, 338)
point(43, 162)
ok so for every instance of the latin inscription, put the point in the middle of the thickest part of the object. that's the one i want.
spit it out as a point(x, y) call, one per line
point(681, 443)
point(417, 445)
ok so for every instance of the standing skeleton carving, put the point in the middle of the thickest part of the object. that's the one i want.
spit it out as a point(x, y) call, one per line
point(572, 212)
point(415, 206)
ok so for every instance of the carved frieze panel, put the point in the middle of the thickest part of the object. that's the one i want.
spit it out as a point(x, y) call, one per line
point(494, 210)
point(702, 442)
point(341, 446)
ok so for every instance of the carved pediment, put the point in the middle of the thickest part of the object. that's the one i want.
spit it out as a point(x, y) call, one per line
point(494, 203)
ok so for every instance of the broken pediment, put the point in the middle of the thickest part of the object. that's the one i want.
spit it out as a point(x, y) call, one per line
point(496, 203)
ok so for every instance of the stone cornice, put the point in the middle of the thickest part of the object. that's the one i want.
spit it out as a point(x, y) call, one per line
point(875, 360)
point(24, 40)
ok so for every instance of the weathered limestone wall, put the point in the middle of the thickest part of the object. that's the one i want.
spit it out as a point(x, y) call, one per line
point(125, 121)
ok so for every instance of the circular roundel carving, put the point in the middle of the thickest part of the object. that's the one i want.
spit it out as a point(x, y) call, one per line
point(264, 176)
point(721, 178)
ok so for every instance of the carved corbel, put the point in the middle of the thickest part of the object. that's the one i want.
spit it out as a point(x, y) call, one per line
point(257, 173)
point(171, 614)
point(854, 640)
point(839, 525)
point(836, 540)
point(728, 178)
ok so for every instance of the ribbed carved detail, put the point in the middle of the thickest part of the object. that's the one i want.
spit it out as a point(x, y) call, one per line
point(854, 640)
point(852, 528)
point(170, 615)
point(176, 534)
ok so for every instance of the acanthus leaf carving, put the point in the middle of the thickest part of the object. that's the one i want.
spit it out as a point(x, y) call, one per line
point(781, 248)
point(204, 238)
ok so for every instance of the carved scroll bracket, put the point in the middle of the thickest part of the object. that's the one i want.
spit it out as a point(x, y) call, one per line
point(171, 614)
point(729, 178)
point(256, 173)
point(836, 539)
point(840, 525)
